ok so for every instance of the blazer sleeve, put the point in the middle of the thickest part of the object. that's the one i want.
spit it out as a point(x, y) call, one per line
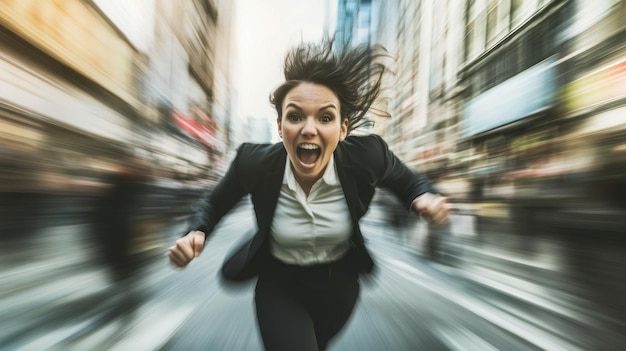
point(216, 203)
point(405, 183)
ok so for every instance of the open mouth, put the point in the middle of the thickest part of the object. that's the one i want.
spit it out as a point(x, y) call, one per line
point(308, 153)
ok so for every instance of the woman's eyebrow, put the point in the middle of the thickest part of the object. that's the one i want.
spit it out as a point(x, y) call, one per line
point(328, 106)
point(324, 107)
point(291, 104)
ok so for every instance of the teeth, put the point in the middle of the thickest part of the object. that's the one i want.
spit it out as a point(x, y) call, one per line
point(308, 146)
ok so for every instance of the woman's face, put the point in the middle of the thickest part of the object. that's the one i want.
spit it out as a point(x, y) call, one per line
point(311, 127)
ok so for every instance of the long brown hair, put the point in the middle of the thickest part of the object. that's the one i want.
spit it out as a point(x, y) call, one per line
point(353, 74)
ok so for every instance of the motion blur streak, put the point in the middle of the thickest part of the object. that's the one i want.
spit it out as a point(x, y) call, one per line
point(116, 116)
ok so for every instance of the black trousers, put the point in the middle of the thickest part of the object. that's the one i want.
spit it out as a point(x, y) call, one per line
point(302, 308)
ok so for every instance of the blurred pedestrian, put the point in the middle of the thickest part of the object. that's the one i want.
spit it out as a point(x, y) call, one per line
point(116, 228)
point(309, 192)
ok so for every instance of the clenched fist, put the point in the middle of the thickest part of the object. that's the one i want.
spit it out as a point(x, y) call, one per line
point(186, 248)
point(433, 207)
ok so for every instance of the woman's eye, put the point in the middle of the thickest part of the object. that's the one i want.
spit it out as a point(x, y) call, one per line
point(293, 117)
point(326, 118)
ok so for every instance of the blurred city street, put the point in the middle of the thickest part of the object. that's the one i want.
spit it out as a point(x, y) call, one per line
point(116, 116)
point(490, 290)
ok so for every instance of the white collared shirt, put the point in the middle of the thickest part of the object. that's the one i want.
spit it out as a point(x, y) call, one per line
point(311, 229)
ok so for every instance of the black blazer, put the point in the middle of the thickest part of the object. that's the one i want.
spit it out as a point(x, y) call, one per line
point(363, 163)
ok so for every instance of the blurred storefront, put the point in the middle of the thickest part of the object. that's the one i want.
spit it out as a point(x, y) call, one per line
point(593, 103)
point(549, 139)
point(509, 117)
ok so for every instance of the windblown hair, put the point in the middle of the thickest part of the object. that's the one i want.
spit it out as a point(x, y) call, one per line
point(354, 75)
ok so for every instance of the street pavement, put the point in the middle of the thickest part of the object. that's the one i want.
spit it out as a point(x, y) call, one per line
point(473, 295)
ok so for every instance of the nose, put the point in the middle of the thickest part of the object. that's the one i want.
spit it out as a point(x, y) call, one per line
point(309, 128)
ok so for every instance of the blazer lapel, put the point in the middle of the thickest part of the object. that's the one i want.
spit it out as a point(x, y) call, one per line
point(348, 185)
point(269, 191)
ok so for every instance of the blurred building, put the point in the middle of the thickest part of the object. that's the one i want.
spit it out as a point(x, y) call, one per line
point(424, 94)
point(177, 76)
point(83, 81)
point(592, 103)
point(355, 25)
point(354, 22)
point(510, 81)
point(542, 120)
point(67, 104)
point(514, 103)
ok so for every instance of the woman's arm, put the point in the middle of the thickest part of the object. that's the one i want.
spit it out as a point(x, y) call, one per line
point(209, 211)
point(413, 189)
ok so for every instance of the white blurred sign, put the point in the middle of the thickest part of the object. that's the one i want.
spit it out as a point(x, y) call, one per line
point(464, 225)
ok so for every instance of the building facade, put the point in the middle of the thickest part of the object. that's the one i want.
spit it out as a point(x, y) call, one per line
point(506, 101)
point(67, 104)
point(68, 100)
point(542, 107)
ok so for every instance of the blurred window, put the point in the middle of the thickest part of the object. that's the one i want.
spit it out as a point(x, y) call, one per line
point(492, 22)
point(473, 49)
point(516, 12)
point(490, 70)
point(525, 52)
point(478, 83)
point(510, 58)
point(469, 40)
point(501, 63)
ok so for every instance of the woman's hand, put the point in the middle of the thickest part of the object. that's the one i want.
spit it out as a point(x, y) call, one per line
point(434, 207)
point(186, 248)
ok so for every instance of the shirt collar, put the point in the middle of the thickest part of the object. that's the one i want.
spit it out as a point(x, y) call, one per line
point(330, 174)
